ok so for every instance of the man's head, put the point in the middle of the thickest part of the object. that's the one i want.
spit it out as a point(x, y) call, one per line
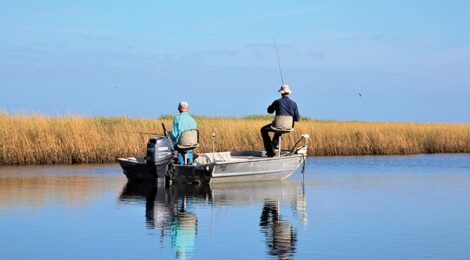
point(183, 106)
point(285, 90)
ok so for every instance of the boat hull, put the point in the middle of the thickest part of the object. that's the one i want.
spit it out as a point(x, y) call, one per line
point(137, 169)
point(263, 169)
point(233, 170)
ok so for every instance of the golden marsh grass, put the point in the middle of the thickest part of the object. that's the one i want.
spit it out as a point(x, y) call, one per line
point(42, 139)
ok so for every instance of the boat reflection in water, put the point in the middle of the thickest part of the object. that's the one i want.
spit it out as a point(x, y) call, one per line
point(170, 210)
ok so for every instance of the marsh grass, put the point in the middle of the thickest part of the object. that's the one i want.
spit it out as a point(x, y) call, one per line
point(42, 139)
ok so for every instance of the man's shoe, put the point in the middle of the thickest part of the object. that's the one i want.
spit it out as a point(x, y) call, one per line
point(274, 145)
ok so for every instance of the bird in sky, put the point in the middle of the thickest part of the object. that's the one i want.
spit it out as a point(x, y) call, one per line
point(360, 95)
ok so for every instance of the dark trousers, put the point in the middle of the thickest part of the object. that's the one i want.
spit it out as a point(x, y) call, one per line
point(267, 140)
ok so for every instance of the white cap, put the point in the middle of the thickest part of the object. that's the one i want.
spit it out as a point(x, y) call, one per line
point(183, 104)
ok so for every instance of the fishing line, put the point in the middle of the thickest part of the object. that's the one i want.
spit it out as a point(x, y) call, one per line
point(278, 61)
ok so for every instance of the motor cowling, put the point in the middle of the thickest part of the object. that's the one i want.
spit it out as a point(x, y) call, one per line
point(158, 150)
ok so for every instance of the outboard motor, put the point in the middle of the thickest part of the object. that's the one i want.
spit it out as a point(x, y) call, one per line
point(159, 151)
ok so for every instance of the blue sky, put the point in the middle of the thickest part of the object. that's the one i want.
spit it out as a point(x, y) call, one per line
point(410, 60)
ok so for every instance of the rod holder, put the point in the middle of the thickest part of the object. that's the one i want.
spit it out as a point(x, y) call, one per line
point(213, 147)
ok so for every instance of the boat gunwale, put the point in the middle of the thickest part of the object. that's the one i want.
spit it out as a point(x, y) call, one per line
point(249, 174)
point(246, 161)
point(128, 159)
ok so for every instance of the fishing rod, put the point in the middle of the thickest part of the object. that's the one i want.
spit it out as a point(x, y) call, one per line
point(145, 133)
point(278, 61)
point(165, 132)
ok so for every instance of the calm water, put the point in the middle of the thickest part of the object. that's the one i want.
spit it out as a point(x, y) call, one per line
point(347, 208)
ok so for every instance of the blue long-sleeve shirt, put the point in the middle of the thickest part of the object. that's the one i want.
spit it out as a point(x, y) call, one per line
point(285, 106)
point(181, 123)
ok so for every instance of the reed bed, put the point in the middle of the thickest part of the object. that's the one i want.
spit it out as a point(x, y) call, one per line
point(42, 139)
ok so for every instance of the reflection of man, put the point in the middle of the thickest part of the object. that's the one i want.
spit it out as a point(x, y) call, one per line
point(282, 106)
point(183, 229)
point(182, 122)
point(280, 237)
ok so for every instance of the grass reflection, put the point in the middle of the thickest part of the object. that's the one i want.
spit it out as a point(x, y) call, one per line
point(26, 191)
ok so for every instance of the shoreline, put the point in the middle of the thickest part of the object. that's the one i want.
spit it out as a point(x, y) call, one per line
point(39, 139)
point(90, 164)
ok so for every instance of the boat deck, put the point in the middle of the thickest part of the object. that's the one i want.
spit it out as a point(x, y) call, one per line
point(208, 158)
point(204, 158)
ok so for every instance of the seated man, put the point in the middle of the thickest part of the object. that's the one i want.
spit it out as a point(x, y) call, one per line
point(182, 123)
point(282, 106)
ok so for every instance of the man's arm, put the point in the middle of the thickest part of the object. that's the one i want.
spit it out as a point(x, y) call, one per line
point(174, 130)
point(272, 107)
point(296, 114)
point(194, 123)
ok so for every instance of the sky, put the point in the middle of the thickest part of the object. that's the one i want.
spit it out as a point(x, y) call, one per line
point(410, 60)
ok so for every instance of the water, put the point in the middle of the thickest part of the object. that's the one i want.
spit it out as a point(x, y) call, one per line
point(395, 207)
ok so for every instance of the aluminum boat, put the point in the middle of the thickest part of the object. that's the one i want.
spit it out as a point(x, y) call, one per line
point(215, 167)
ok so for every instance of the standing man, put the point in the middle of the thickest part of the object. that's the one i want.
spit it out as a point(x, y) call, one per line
point(182, 122)
point(282, 106)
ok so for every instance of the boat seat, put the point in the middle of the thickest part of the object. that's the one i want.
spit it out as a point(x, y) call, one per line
point(189, 139)
point(283, 124)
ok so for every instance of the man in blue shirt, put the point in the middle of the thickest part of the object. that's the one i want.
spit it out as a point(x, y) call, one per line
point(182, 122)
point(282, 106)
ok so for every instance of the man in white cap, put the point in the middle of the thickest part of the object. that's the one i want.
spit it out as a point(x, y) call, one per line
point(282, 106)
point(182, 122)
